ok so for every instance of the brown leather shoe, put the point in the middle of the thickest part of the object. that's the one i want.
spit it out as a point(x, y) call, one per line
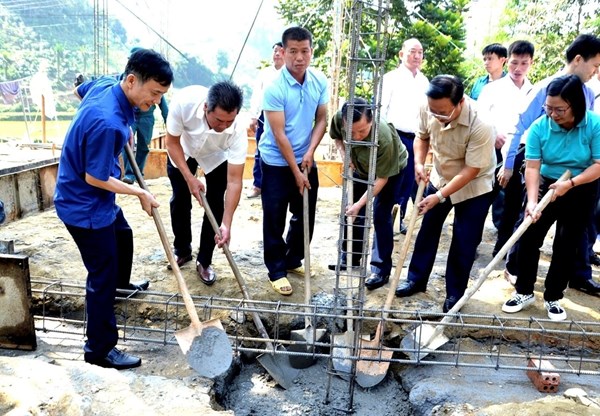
point(207, 276)
point(180, 261)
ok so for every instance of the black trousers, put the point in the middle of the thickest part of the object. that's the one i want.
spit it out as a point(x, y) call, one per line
point(181, 210)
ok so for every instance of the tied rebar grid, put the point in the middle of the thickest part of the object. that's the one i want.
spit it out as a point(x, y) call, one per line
point(503, 343)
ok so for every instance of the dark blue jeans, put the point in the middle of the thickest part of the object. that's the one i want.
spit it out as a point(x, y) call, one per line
point(107, 255)
point(143, 129)
point(256, 170)
point(383, 236)
point(181, 210)
point(280, 193)
point(469, 219)
point(407, 187)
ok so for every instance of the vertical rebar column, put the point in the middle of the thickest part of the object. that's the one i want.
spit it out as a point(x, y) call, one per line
point(368, 26)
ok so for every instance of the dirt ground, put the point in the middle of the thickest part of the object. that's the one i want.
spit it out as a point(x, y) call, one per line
point(52, 254)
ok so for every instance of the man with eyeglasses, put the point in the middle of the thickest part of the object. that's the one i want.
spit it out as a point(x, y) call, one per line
point(583, 60)
point(402, 94)
point(462, 179)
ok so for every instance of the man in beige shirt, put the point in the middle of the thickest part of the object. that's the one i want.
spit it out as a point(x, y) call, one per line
point(462, 178)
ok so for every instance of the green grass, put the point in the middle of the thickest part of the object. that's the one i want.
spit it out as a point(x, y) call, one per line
point(32, 132)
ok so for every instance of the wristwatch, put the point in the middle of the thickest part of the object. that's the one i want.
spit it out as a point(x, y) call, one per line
point(440, 197)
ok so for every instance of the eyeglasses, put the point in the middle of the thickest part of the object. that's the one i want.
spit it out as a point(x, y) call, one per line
point(559, 111)
point(442, 116)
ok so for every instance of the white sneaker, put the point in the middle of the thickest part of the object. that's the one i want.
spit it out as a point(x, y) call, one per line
point(596, 246)
point(555, 312)
point(517, 303)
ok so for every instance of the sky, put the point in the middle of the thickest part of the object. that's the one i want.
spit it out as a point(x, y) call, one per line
point(201, 28)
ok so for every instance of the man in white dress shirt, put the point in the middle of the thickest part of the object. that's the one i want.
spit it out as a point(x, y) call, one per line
point(499, 104)
point(202, 132)
point(402, 95)
point(265, 78)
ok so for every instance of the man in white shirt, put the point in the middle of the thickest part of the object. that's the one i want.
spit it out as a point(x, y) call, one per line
point(202, 132)
point(499, 105)
point(402, 95)
point(265, 78)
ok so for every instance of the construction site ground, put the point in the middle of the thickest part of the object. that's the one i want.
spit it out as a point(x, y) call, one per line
point(54, 380)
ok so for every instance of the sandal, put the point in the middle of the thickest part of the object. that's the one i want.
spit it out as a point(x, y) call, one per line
point(282, 286)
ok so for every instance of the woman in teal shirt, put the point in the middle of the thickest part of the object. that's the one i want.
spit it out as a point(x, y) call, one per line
point(567, 137)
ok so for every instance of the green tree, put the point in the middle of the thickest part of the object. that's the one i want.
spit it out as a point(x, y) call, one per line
point(192, 72)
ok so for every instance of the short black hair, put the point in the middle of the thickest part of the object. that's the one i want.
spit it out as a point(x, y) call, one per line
point(360, 107)
point(496, 48)
point(225, 95)
point(147, 64)
point(521, 47)
point(277, 44)
point(296, 33)
point(446, 86)
point(570, 89)
point(587, 46)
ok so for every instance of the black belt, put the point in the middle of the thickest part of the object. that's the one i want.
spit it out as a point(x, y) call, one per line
point(406, 134)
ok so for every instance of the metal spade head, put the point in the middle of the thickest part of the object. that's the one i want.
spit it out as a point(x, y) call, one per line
point(372, 368)
point(305, 339)
point(418, 343)
point(207, 349)
point(278, 366)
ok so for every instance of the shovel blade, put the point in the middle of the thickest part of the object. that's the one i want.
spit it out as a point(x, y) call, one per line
point(278, 366)
point(342, 347)
point(418, 343)
point(304, 338)
point(373, 364)
point(207, 348)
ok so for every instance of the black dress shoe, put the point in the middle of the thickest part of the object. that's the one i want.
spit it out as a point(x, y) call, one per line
point(180, 261)
point(408, 288)
point(376, 280)
point(115, 359)
point(333, 266)
point(587, 286)
point(449, 303)
point(206, 275)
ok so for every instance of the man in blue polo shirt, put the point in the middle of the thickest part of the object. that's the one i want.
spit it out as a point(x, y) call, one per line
point(88, 179)
point(295, 108)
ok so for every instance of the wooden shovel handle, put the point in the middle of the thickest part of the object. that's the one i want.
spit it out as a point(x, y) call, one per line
point(185, 294)
point(235, 269)
point(305, 223)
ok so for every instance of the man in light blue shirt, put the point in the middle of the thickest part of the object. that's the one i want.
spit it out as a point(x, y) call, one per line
point(295, 108)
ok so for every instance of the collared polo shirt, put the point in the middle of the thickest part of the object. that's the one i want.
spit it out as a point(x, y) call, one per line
point(466, 141)
point(210, 148)
point(299, 102)
point(560, 149)
point(481, 82)
point(402, 95)
point(92, 145)
point(391, 153)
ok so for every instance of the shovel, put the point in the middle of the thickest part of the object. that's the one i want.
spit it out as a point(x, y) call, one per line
point(277, 365)
point(427, 338)
point(305, 338)
point(343, 344)
point(205, 344)
point(372, 371)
